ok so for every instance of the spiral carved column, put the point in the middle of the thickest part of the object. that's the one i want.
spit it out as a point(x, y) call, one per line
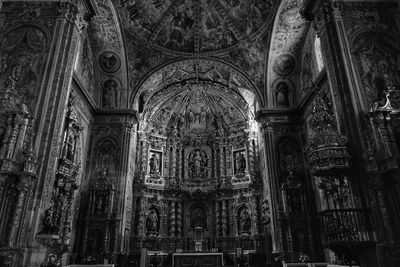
point(224, 218)
point(229, 165)
point(173, 162)
point(217, 219)
point(215, 157)
point(251, 149)
point(178, 219)
point(221, 161)
point(177, 164)
point(172, 219)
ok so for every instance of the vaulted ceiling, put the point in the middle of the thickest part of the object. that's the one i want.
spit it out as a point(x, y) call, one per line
point(197, 25)
point(243, 47)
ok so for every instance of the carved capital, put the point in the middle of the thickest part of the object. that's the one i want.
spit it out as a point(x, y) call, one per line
point(68, 10)
point(26, 184)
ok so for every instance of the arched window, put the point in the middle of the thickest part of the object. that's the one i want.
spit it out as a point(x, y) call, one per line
point(318, 54)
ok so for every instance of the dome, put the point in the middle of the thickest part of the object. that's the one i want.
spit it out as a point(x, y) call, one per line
point(189, 26)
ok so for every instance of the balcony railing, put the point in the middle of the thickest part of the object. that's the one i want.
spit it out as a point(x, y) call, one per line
point(346, 228)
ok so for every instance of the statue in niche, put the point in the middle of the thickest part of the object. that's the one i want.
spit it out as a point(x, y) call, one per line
point(70, 148)
point(22, 74)
point(197, 165)
point(198, 217)
point(2, 135)
point(244, 221)
point(379, 70)
point(152, 222)
point(203, 117)
point(48, 226)
point(240, 163)
point(191, 117)
point(282, 95)
point(106, 155)
point(109, 93)
point(53, 261)
point(174, 131)
point(154, 164)
point(96, 241)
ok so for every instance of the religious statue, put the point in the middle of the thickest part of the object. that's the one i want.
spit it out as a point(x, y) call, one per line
point(244, 221)
point(282, 95)
point(53, 261)
point(48, 226)
point(21, 72)
point(152, 222)
point(2, 136)
point(197, 165)
point(70, 148)
point(240, 163)
point(154, 164)
point(109, 92)
point(198, 218)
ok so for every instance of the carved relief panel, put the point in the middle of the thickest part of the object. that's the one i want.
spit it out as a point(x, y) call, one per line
point(22, 58)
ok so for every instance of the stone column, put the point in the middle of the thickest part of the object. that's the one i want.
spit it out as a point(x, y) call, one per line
point(229, 164)
point(214, 162)
point(251, 153)
point(224, 218)
point(125, 176)
point(342, 76)
point(12, 142)
point(178, 165)
point(24, 192)
point(3, 183)
point(217, 219)
point(172, 219)
point(141, 217)
point(173, 161)
point(272, 183)
point(178, 219)
point(6, 138)
point(221, 161)
point(254, 215)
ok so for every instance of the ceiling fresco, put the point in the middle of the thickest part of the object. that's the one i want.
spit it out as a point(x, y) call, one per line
point(197, 25)
point(242, 44)
point(197, 106)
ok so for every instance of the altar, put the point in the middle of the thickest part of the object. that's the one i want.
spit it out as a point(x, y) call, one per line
point(197, 259)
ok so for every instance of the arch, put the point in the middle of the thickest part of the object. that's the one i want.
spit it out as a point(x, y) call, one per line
point(134, 98)
point(286, 38)
point(45, 31)
point(198, 218)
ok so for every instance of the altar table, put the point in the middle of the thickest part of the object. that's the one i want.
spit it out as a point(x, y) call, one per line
point(190, 259)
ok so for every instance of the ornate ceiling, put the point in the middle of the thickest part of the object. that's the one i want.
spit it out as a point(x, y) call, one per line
point(249, 46)
point(197, 106)
point(188, 26)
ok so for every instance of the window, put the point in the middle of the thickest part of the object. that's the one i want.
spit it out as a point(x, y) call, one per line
point(318, 54)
